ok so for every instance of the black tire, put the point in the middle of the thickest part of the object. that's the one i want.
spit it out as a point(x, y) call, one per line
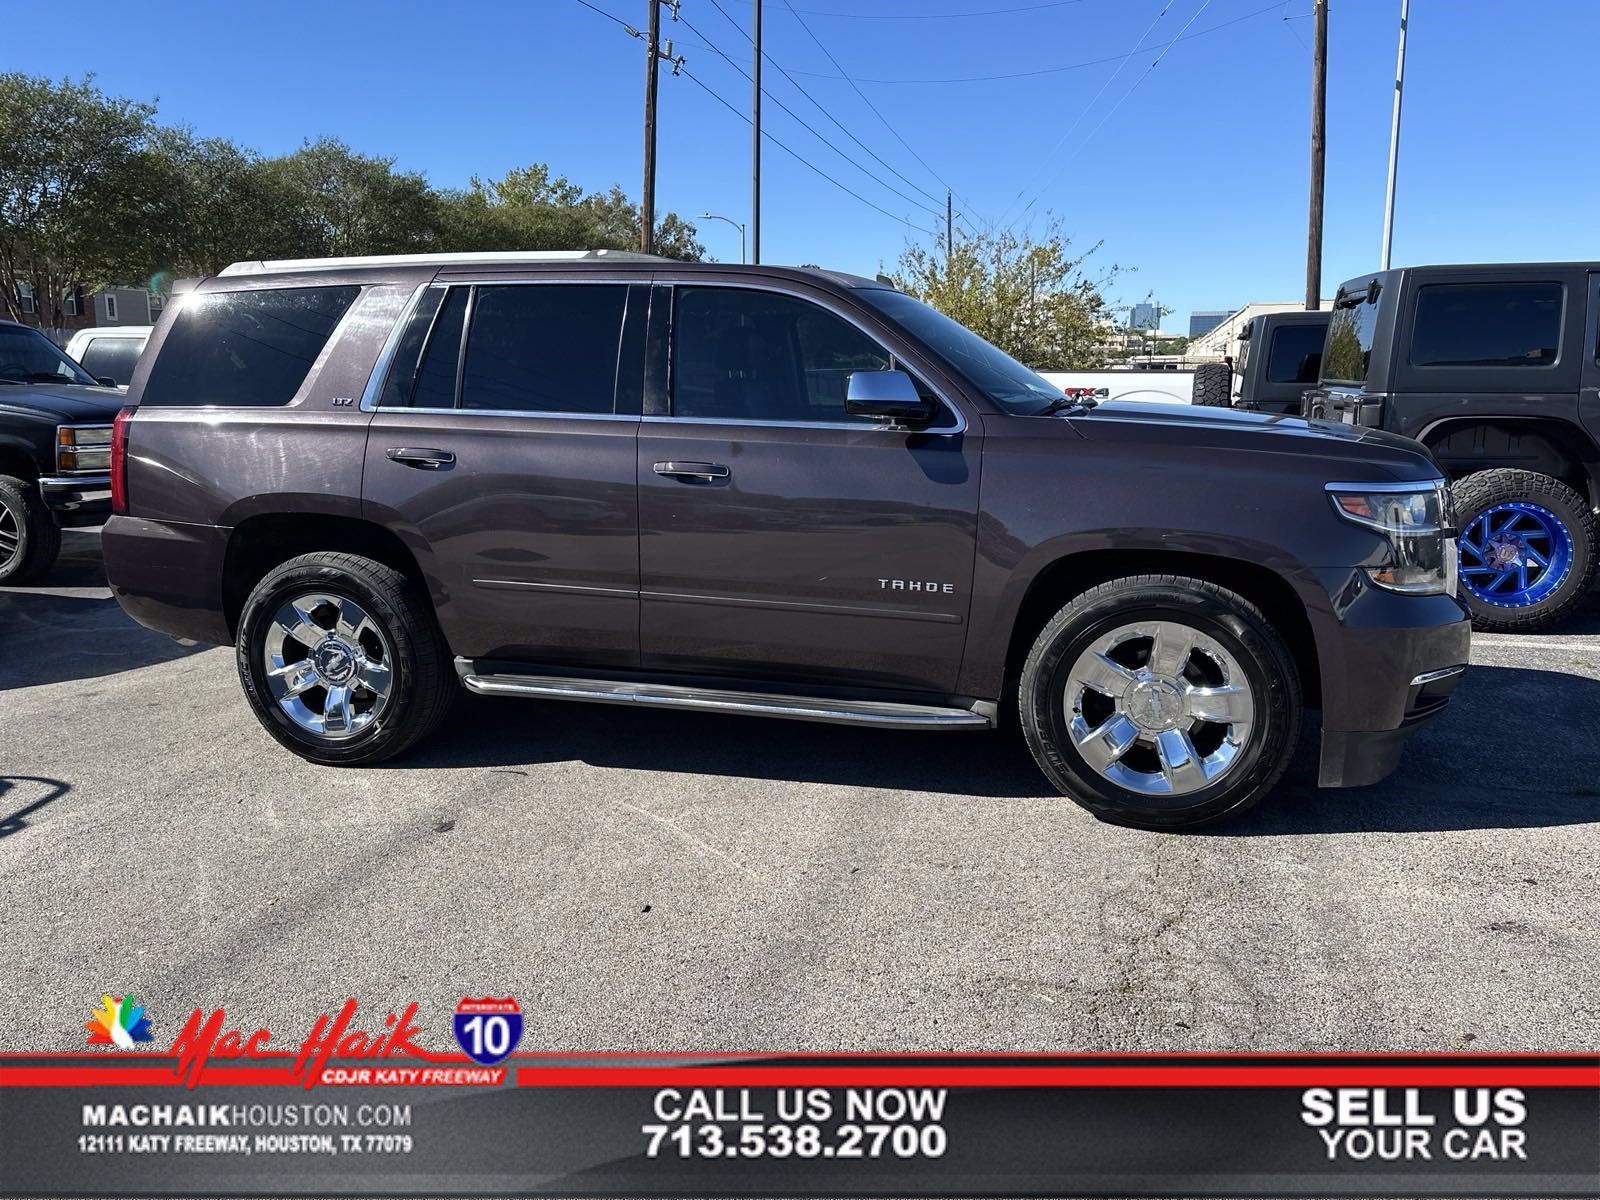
point(1213, 385)
point(1475, 495)
point(30, 539)
point(1234, 624)
point(423, 682)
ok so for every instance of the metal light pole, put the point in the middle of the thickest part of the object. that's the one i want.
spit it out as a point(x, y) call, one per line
point(736, 224)
point(1394, 136)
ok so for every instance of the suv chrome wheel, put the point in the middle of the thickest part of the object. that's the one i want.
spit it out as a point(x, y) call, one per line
point(328, 665)
point(10, 534)
point(1159, 708)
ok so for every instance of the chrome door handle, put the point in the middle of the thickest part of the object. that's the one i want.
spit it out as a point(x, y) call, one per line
point(693, 470)
point(421, 457)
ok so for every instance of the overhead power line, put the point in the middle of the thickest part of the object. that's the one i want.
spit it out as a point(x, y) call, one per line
point(715, 49)
point(687, 74)
point(782, 70)
point(865, 99)
point(1078, 66)
point(955, 16)
point(1041, 177)
point(608, 16)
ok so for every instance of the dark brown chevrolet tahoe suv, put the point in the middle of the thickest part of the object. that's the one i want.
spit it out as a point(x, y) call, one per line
point(759, 490)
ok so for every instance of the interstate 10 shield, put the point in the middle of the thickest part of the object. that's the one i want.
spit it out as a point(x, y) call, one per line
point(488, 1029)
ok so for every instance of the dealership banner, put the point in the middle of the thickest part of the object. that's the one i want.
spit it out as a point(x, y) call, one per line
point(359, 1106)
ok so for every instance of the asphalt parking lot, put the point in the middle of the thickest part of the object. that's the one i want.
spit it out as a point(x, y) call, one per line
point(647, 880)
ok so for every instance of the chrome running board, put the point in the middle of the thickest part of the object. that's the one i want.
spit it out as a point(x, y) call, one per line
point(881, 714)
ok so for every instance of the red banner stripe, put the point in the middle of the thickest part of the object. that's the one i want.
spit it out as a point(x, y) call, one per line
point(1242, 1075)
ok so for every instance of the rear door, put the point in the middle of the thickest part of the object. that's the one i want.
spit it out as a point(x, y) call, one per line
point(780, 537)
point(502, 450)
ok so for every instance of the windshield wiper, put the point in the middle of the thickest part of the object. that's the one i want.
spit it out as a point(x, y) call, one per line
point(1063, 403)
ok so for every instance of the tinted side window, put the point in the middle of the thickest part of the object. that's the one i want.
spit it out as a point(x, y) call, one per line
point(544, 348)
point(245, 348)
point(435, 384)
point(1296, 354)
point(1487, 325)
point(112, 357)
point(740, 354)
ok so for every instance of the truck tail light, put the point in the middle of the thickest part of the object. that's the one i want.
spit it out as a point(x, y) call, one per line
point(119, 461)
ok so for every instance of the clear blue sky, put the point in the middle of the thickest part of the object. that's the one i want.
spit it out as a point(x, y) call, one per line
point(1193, 173)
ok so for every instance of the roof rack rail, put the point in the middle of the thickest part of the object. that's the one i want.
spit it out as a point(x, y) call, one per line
point(266, 266)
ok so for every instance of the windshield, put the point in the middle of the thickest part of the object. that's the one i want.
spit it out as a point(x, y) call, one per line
point(1002, 378)
point(27, 356)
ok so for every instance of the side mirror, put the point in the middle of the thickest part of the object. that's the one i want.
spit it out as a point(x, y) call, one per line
point(106, 381)
point(886, 394)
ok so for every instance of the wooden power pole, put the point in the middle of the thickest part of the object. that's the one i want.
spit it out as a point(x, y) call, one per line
point(1319, 147)
point(647, 205)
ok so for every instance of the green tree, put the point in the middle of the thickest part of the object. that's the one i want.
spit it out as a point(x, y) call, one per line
point(1030, 297)
point(213, 206)
point(529, 209)
point(327, 200)
point(74, 186)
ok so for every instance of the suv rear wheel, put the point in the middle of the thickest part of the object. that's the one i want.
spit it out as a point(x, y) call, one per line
point(341, 659)
point(1161, 701)
point(30, 539)
point(1527, 548)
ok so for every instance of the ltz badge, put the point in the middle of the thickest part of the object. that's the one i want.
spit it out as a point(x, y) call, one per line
point(488, 1029)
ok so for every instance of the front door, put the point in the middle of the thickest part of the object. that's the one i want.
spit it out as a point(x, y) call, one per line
point(782, 538)
point(502, 449)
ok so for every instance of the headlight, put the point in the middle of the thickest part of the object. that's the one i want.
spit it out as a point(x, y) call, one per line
point(83, 448)
point(1416, 521)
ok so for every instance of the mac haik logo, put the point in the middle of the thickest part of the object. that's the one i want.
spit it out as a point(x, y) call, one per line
point(488, 1029)
point(119, 1022)
point(206, 1038)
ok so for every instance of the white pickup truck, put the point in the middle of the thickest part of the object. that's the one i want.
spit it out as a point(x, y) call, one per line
point(1209, 384)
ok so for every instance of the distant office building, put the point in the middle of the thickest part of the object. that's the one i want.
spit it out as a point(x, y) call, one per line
point(1204, 322)
point(1145, 316)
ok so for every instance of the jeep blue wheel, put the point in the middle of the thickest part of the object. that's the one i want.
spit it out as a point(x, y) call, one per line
point(1515, 554)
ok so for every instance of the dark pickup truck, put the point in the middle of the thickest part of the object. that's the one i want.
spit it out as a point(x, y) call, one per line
point(1280, 356)
point(1494, 368)
point(55, 450)
point(765, 491)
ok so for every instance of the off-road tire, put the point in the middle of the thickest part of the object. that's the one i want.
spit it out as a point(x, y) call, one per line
point(29, 519)
point(1238, 625)
point(1475, 493)
point(424, 685)
point(1213, 385)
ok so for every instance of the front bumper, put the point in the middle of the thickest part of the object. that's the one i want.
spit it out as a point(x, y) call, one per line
point(1389, 664)
point(76, 497)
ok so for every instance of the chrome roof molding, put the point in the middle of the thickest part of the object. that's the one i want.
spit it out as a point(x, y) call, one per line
point(471, 258)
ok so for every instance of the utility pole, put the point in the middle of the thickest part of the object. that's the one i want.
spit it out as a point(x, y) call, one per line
point(1394, 137)
point(1319, 147)
point(654, 52)
point(949, 227)
point(755, 143)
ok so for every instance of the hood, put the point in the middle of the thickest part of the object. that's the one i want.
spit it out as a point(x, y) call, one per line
point(1229, 429)
point(69, 402)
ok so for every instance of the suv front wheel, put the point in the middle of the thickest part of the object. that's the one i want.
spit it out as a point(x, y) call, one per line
point(1161, 701)
point(341, 659)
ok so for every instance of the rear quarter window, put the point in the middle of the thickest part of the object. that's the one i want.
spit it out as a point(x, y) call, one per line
point(1487, 325)
point(244, 349)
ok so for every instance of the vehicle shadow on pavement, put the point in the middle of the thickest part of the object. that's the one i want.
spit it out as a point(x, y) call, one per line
point(17, 821)
point(46, 638)
point(513, 733)
point(1466, 770)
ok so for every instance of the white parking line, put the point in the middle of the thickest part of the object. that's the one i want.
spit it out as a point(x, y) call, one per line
point(1524, 642)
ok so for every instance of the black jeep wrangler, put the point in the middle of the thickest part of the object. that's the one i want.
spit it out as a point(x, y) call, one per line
point(1493, 368)
point(55, 448)
point(1280, 355)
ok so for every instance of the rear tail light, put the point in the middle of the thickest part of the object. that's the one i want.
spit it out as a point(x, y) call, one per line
point(119, 461)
